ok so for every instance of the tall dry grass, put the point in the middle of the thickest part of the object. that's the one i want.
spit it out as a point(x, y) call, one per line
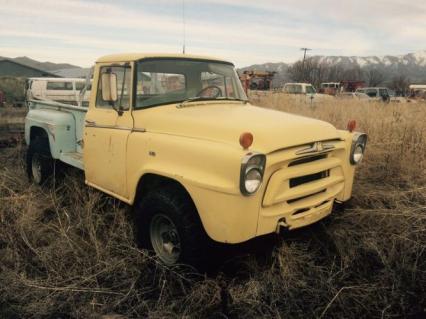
point(13, 88)
point(68, 252)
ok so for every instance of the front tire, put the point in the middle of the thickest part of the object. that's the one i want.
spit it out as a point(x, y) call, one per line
point(168, 223)
point(39, 161)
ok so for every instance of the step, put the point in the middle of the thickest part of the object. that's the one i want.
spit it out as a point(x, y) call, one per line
point(73, 158)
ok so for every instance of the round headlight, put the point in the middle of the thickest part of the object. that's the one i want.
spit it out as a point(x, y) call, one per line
point(359, 141)
point(253, 180)
point(358, 154)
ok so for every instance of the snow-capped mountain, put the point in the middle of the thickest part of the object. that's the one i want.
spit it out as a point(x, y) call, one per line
point(415, 59)
point(411, 65)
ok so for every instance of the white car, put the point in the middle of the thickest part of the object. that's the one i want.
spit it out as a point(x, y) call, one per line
point(377, 93)
point(353, 95)
point(299, 88)
point(65, 90)
point(306, 90)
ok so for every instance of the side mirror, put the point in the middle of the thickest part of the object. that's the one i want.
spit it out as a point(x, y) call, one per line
point(109, 87)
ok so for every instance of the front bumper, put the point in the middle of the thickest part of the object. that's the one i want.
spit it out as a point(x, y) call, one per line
point(306, 218)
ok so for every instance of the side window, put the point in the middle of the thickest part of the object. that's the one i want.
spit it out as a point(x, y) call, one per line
point(124, 77)
point(293, 89)
point(371, 93)
point(59, 86)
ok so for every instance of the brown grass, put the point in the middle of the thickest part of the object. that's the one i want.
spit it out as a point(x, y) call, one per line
point(69, 252)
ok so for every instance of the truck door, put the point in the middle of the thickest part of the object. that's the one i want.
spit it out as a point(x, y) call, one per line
point(107, 128)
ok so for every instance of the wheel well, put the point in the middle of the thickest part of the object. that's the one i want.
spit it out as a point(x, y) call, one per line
point(149, 182)
point(37, 132)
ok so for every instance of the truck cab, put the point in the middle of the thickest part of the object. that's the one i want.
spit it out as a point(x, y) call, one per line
point(175, 137)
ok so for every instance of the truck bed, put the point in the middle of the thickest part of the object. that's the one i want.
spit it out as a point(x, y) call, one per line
point(63, 124)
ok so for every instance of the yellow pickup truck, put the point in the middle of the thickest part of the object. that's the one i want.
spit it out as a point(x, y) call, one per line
point(175, 137)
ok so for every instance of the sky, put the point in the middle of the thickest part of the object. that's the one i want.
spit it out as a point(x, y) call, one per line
point(242, 31)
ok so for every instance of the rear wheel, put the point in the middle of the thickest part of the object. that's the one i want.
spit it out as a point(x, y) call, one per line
point(40, 164)
point(168, 223)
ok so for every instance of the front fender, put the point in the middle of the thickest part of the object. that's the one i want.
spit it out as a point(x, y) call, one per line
point(347, 167)
point(208, 170)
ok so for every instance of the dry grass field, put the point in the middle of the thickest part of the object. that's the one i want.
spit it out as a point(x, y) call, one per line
point(68, 252)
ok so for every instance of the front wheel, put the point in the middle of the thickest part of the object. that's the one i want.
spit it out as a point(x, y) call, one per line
point(39, 161)
point(168, 223)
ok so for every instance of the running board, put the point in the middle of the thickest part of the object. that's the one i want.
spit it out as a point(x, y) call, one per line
point(74, 159)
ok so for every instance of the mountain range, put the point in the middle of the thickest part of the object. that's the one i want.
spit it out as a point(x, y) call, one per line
point(411, 66)
point(61, 69)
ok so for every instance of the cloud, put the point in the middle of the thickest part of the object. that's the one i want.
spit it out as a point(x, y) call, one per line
point(246, 31)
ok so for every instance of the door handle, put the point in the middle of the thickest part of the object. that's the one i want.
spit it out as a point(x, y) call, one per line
point(89, 122)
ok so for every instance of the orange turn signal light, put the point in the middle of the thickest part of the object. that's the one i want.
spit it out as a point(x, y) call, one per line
point(246, 139)
point(351, 125)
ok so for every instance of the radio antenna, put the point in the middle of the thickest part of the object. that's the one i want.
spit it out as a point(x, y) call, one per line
point(184, 26)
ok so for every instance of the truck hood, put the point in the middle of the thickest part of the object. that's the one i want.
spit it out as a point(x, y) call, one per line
point(224, 122)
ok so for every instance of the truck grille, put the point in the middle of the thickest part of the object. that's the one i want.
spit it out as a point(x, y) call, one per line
point(308, 178)
point(307, 160)
point(303, 183)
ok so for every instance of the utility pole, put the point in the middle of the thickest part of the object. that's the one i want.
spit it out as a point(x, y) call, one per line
point(303, 62)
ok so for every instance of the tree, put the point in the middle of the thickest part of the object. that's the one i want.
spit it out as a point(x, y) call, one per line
point(374, 77)
point(400, 84)
point(315, 71)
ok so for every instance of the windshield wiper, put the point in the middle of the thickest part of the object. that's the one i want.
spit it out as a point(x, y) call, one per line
point(201, 98)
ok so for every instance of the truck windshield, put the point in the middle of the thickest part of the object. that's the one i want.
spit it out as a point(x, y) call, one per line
point(166, 81)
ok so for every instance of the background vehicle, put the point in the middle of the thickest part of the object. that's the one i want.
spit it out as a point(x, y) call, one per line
point(175, 137)
point(64, 90)
point(299, 88)
point(417, 91)
point(377, 93)
point(354, 95)
point(304, 91)
point(331, 88)
point(257, 80)
point(351, 86)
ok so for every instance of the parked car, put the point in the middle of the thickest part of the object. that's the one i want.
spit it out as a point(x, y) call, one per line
point(299, 88)
point(175, 137)
point(305, 92)
point(354, 95)
point(417, 91)
point(64, 90)
point(377, 93)
point(330, 88)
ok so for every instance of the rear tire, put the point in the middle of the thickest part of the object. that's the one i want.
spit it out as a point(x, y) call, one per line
point(168, 223)
point(40, 164)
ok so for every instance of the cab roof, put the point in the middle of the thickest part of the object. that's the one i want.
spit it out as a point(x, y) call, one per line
point(129, 57)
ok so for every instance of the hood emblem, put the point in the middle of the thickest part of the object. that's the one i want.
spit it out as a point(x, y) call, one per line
point(316, 147)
